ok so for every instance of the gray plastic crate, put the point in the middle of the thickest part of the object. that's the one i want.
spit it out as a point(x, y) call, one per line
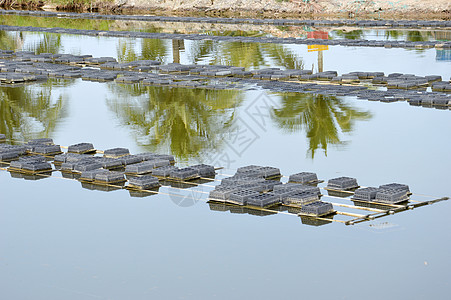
point(391, 196)
point(241, 196)
point(184, 174)
point(303, 177)
point(269, 184)
point(139, 168)
point(318, 208)
point(90, 175)
point(109, 163)
point(21, 150)
point(159, 162)
point(169, 157)
point(86, 165)
point(342, 183)
point(297, 187)
point(116, 152)
point(130, 159)
point(47, 149)
point(163, 171)
point(144, 182)
point(282, 195)
point(37, 166)
point(258, 187)
point(81, 148)
point(269, 172)
point(300, 198)
point(222, 192)
point(205, 170)
point(240, 179)
point(257, 173)
point(67, 157)
point(263, 200)
point(17, 164)
point(42, 141)
point(110, 177)
point(6, 155)
point(396, 186)
point(147, 156)
point(247, 168)
point(365, 194)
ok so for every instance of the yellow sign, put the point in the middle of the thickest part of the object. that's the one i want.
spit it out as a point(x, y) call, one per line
point(312, 48)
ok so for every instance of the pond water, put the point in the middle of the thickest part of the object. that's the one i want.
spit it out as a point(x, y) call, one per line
point(62, 241)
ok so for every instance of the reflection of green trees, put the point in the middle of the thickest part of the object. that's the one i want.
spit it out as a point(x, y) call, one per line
point(320, 116)
point(187, 122)
point(29, 112)
point(351, 35)
point(248, 55)
point(152, 49)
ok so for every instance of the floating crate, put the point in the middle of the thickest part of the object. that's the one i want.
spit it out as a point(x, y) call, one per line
point(283, 194)
point(269, 172)
point(21, 150)
point(258, 187)
point(301, 198)
point(86, 165)
point(396, 186)
point(163, 171)
point(6, 155)
point(147, 156)
point(81, 148)
point(183, 174)
point(303, 177)
point(222, 192)
point(366, 194)
point(169, 157)
point(143, 182)
point(139, 168)
point(91, 175)
point(269, 184)
point(48, 150)
point(247, 168)
point(110, 163)
point(318, 208)
point(110, 177)
point(159, 162)
point(130, 159)
point(298, 187)
point(205, 170)
point(391, 196)
point(240, 196)
point(116, 152)
point(42, 141)
point(263, 200)
point(17, 164)
point(240, 179)
point(66, 157)
point(257, 173)
point(342, 183)
point(36, 167)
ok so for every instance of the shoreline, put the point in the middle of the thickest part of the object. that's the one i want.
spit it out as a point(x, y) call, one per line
point(278, 9)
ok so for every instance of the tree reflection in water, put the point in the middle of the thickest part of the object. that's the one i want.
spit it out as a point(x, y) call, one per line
point(320, 116)
point(28, 112)
point(185, 122)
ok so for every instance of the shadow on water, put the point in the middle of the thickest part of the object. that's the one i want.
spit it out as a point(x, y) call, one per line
point(322, 118)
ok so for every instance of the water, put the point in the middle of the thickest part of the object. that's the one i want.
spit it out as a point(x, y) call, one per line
point(60, 240)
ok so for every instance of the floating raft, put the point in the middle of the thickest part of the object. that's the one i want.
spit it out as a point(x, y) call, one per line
point(252, 189)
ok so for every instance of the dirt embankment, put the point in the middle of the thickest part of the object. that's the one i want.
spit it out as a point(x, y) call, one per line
point(293, 7)
point(416, 9)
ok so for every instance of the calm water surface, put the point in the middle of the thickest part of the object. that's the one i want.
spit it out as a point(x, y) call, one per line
point(62, 241)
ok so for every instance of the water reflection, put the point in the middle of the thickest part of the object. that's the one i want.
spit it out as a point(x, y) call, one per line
point(28, 112)
point(150, 49)
point(320, 116)
point(184, 122)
